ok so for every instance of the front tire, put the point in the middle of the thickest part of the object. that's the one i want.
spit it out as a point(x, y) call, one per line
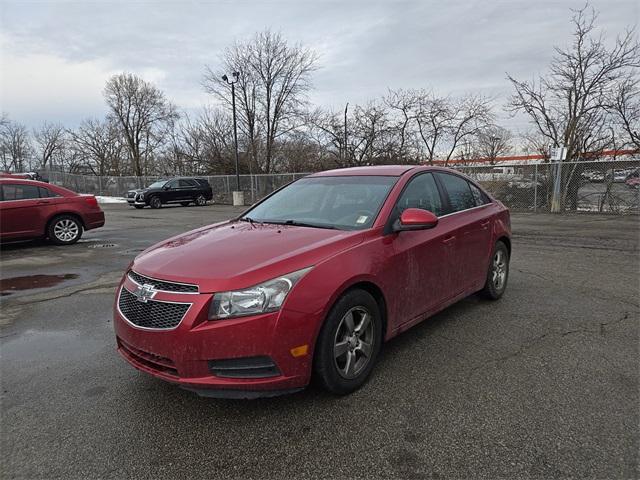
point(349, 343)
point(64, 230)
point(155, 202)
point(498, 273)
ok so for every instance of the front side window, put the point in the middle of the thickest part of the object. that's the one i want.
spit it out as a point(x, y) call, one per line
point(19, 192)
point(421, 192)
point(459, 191)
point(158, 184)
point(345, 202)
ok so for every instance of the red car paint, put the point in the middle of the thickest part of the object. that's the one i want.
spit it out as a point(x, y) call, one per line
point(25, 219)
point(415, 274)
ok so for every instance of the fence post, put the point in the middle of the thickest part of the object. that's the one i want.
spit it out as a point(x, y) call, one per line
point(535, 189)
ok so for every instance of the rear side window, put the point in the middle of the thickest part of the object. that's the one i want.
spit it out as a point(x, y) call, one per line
point(459, 191)
point(19, 192)
point(421, 192)
point(46, 193)
point(478, 196)
point(186, 183)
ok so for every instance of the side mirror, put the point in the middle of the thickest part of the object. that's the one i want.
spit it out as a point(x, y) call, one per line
point(165, 187)
point(415, 219)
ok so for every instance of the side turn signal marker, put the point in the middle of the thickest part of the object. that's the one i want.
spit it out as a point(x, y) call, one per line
point(300, 351)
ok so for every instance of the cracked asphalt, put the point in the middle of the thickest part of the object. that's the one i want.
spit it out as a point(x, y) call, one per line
point(542, 384)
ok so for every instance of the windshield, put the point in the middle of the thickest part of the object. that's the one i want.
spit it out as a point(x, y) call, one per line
point(158, 184)
point(347, 203)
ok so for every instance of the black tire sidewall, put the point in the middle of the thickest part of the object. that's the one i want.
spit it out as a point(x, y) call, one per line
point(155, 202)
point(51, 230)
point(324, 365)
point(204, 201)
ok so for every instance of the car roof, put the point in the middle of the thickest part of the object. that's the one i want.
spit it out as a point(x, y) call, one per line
point(23, 181)
point(381, 170)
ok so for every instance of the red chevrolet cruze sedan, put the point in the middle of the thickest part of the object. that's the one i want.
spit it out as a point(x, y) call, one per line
point(311, 280)
point(30, 209)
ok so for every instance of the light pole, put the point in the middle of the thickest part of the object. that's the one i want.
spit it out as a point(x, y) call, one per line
point(236, 196)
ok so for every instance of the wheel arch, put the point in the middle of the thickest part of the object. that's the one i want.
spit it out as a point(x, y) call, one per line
point(60, 214)
point(375, 291)
point(507, 242)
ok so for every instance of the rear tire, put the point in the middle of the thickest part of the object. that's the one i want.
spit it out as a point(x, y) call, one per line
point(155, 202)
point(349, 343)
point(498, 273)
point(201, 201)
point(64, 230)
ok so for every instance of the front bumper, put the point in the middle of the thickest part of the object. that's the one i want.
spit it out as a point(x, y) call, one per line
point(132, 201)
point(187, 355)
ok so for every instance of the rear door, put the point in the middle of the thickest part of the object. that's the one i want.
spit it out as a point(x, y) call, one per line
point(188, 189)
point(469, 217)
point(22, 215)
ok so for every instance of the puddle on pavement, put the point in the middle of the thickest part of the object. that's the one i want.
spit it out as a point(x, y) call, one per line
point(29, 282)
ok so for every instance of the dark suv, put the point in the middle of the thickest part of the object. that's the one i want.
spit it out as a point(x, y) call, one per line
point(176, 190)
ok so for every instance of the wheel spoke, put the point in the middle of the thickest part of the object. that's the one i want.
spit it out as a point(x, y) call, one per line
point(349, 323)
point(364, 348)
point(364, 323)
point(341, 348)
point(349, 366)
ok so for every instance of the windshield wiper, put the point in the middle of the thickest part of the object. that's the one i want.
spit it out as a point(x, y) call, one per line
point(250, 220)
point(296, 223)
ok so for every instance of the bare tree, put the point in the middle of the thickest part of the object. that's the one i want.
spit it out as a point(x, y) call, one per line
point(50, 140)
point(99, 145)
point(568, 107)
point(404, 104)
point(15, 146)
point(492, 142)
point(271, 90)
point(142, 113)
point(624, 104)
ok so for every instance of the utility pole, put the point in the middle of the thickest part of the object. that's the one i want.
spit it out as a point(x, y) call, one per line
point(238, 197)
point(345, 130)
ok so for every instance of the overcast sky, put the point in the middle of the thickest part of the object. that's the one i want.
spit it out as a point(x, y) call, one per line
point(56, 55)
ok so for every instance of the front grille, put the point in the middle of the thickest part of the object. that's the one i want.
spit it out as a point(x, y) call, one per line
point(152, 313)
point(162, 285)
point(150, 360)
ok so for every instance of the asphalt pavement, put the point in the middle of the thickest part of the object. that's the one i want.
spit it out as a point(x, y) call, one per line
point(541, 384)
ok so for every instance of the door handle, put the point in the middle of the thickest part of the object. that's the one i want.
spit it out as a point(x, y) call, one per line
point(449, 240)
point(485, 225)
point(44, 202)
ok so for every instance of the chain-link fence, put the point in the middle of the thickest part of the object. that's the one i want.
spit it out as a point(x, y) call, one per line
point(254, 187)
point(608, 187)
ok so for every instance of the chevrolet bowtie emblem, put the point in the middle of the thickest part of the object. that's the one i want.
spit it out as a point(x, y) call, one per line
point(145, 292)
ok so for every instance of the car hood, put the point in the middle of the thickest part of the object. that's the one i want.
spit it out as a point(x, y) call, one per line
point(235, 255)
point(138, 190)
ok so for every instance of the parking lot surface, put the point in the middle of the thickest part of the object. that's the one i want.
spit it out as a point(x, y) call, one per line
point(543, 383)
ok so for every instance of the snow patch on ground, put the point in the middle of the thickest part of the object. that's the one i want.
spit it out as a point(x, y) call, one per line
point(103, 199)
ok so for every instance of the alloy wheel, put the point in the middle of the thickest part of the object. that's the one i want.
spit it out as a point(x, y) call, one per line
point(499, 273)
point(66, 230)
point(200, 200)
point(353, 343)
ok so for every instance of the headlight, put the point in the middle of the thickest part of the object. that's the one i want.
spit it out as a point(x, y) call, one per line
point(262, 298)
